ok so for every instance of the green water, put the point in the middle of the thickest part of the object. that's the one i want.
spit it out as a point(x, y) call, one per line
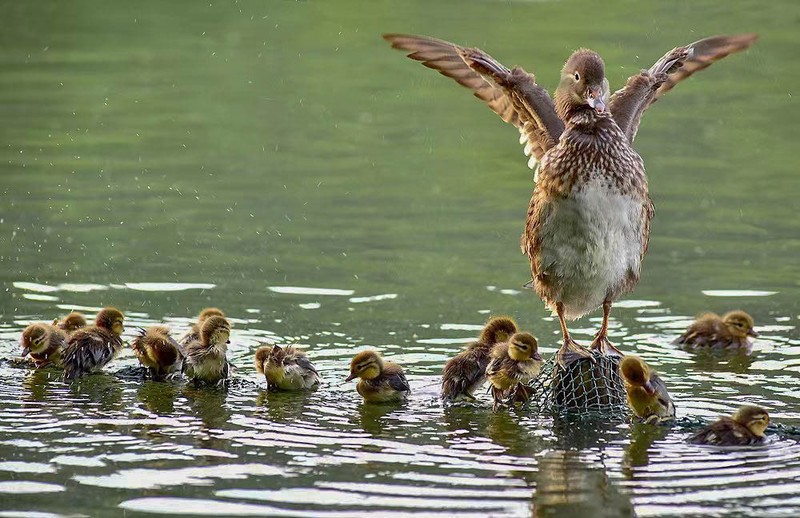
point(166, 156)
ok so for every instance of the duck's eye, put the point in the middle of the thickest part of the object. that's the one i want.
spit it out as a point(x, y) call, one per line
point(577, 76)
point(662, 402)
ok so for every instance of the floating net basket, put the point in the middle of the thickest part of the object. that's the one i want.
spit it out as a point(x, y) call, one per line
point(584, 387)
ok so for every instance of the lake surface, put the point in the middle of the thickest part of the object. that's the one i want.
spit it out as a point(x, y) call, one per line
point(280, 161)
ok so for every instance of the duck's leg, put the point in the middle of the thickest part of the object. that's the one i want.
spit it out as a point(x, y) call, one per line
point(570, 350)
point(601, 342)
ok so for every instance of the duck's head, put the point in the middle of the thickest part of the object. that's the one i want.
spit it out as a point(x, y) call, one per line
point(755, 418)
point(216, 331)
point(262, 355)
point(523, 346)
point(635, 372)
point(73, 322)
point(498, 329)
point(583, 84)
point(34, 339)
point(111, 319)
point(209, 312)
point(740, 324)
point(367, 365)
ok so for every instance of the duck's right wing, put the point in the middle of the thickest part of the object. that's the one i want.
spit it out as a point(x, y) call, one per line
point(511, 94)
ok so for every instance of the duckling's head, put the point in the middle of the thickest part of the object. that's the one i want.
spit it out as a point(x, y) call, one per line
point(755, 418)
point(73, 322)
point(522, 347)
point(583, 84)
point(34, 339)
point(367, 365)
point(111, 319)
point(209, 312)
point(498, 329)
point(216, 330)
point(740, 324)
point(262, 355)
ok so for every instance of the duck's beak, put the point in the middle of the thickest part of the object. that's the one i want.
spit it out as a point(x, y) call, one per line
point(536, 356)
point(25, 351)
point(649, 388)
point(753, 333)
point(351, 377)
point(595, 99)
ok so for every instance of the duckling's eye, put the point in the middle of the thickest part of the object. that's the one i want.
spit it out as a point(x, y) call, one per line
point(662, 402)
point(577, 76)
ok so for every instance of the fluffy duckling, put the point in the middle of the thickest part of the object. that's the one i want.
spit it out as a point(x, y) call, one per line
point(381, 382)
point(464, 373)
point(91, 348)
point(745, 427)
point(206, 359)
point(158, 352)
point(647, 393)
point(194, 330)
point(71, 322)
point(45, 344)
point(710, 330)
point(514, 363)
point(286, 368)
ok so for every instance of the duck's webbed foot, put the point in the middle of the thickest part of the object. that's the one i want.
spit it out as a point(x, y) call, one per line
point(602, 344)
point(570, 352)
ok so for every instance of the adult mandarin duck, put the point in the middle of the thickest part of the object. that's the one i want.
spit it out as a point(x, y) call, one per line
point(588, 222)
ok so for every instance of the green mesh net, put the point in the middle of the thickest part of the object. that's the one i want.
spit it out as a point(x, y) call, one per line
point(583, 387)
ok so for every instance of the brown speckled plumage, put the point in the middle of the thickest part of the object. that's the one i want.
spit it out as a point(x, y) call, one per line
point(513, 364)
point(206, 358)
point(588, 222)
point(193, 334)
point(91, 348)
point(466, 372)
point(712, 331)
point(745, 427)
point(286, 368)
point(647, 393)
point(380, 381)
point(71, 323)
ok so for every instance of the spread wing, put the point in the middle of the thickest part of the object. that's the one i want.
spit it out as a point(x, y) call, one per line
point(640, 91)
point(511, 94)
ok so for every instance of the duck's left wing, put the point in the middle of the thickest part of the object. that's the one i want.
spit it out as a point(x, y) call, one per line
point(511, 94)
point(629, 103)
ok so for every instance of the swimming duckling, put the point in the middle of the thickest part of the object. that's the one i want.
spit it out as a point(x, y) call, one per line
point(729, 331)
point(45, 344)
point(206, 359)
point(158, 352)
point(745, 427)
point(464, 373)
point(71, 322)
point(514, 363)
point(286, 368)
point(647, 393)
point(193, 334)
point(91, 348)
point(381, 382)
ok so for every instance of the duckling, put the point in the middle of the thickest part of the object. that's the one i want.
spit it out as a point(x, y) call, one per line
point(381, 382)
point(647, 393)
point(205, 357)
point(286, 368)
point(194, 330)
point(71, 322)
point(745, 427)
point(158, 352)
point(91, 348)
point(514, 363)
point(45, 344)
point(464, 373)
point(729, 331)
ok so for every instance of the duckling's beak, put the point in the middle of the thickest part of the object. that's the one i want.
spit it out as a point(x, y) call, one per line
point(25, 351)
point(595, 99)
point(536, 356)
point(752, 332)
point(227, 341)
point(351, 377)
point(649, 388)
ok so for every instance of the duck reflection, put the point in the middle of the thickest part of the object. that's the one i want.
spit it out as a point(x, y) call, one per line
point(514, 434)
point(38, 383)
point(638, 451)
point(567, 486)
point(281, 406)
point(100, 388)
point(371, 416)
point(208, 404)
point(713, 360)
point(586, 431)
point(157, 397)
